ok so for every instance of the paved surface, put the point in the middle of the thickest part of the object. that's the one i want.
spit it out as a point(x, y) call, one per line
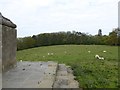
point(65, 78)
point(39, 75)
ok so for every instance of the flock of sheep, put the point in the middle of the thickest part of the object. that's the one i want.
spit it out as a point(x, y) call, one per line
point(99, 57)
point(96, 56)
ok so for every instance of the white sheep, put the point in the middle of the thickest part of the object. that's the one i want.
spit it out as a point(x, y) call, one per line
point(98, 57)
point(104, 51)
point(48, 53)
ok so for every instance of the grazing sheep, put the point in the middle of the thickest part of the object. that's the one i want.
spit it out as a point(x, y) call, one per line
point(48, 53)
point(104, 51)
point(98, 57)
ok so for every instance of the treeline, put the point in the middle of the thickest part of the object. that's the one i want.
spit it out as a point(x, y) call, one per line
point(62, 38)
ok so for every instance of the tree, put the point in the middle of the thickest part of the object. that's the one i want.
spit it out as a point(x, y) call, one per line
point(25, 43)
point(113, 40)
point(20, 43)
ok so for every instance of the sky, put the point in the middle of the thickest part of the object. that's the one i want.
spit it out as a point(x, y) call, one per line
point(33, 17)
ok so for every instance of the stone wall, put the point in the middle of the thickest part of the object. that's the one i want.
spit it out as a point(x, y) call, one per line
point(8, 48)
point(0, 44)
point(0, 57)
point(0, 48)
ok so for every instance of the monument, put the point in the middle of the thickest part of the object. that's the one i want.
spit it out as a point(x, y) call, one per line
point(7, 43)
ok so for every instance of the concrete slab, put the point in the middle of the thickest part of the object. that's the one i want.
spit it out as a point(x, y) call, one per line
point(39, 75)
point(30, 75)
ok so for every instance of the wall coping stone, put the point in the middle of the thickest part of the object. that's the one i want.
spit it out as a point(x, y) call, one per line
point(7, 22)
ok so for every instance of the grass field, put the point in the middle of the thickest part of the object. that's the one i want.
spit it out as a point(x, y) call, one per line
point(90, 72)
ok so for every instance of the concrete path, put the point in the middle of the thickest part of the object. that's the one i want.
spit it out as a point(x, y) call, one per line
point(65, 78)
point(39, 75)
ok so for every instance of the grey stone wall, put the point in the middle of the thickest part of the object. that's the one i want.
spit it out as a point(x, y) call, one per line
point(0, 48)
point(8, 47)
point(8, 35)
point(0, 57)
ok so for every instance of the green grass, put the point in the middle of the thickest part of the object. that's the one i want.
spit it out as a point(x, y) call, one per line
point(90, 73)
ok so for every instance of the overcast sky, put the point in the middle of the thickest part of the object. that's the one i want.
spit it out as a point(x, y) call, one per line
point(40, 16)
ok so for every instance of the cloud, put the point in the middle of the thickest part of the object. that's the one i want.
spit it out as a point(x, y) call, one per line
point(37, 3)
point(38, 16)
